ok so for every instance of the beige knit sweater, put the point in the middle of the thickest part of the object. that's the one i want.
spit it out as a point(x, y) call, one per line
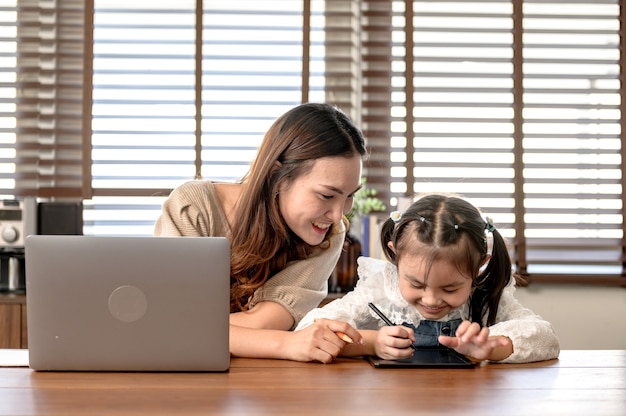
point(193, 209)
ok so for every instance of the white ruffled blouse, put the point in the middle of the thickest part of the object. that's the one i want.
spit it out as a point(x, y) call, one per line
point(533, 338)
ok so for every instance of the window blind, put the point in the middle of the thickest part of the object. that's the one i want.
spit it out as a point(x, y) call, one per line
point(186, 90)
point(455, 120)
point(376, 109)
point(143, 111)
point(516, 105)
point(252, 60)
point(46, 89)
point(571, 137)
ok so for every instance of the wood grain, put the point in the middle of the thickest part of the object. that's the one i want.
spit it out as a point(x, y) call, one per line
point(579, 383)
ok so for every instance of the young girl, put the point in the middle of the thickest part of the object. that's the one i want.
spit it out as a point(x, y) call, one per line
point(285, 223)
point(441, 286)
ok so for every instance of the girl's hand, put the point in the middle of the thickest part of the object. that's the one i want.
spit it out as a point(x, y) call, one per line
point(475, 342)
point(394, 342)
point(322, 341)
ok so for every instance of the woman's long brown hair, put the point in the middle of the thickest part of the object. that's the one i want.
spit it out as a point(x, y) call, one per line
point(261, 242)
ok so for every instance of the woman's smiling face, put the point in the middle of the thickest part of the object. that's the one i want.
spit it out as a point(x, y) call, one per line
point(311, 203)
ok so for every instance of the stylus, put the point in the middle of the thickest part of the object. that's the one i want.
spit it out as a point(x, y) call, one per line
point(384, 318)
point(380, 314)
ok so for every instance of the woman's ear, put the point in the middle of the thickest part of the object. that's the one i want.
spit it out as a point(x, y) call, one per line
point(275, 167)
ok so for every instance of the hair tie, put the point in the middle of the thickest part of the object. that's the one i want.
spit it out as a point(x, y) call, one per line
point(395, 216)
point(489, 225)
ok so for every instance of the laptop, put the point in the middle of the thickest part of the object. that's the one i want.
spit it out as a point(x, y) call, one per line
point(98, 303)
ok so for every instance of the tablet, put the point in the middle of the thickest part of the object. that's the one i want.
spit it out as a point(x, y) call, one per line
point(439, 357)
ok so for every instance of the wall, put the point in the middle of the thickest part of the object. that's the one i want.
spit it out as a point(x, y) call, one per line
point(584, 317)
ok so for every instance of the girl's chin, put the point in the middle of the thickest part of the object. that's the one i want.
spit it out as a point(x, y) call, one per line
point(433, 315)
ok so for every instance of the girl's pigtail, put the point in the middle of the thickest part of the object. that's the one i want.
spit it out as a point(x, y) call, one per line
point(386, 235)
point(491, 282)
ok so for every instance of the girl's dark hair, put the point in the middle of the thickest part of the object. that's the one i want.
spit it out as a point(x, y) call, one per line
point(261, 242)
point(448, 227)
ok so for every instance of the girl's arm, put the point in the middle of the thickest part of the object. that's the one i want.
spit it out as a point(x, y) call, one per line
point(389, 343)
point(476, 343)
point(532, 337)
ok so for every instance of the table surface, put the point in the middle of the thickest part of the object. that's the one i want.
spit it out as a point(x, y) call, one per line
point(578, 383)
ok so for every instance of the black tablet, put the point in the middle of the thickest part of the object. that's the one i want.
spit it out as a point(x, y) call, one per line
point(426, 358)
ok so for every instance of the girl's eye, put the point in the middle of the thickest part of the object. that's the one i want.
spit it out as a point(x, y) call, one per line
point(327, 196)
point(450, 290)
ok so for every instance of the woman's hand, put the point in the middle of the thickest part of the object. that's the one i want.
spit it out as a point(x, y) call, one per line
point(475, 342)
point(322, 341)
point(394, 342)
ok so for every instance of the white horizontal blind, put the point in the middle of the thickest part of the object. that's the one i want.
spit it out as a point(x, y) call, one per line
point(143, 111)
point(252, 72)
point(8, 95)
point(541, 156)
point(456, 126)
point(572, 164)
point(448, 104)
point(158, 124)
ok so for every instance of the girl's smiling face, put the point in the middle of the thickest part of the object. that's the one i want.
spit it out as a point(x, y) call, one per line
point(435, 291)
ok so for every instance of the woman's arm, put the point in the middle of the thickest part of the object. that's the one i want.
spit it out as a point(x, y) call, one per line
point(260, 333)
point(263, 315)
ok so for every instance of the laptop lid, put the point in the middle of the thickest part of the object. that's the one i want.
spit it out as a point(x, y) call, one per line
point(98, 303)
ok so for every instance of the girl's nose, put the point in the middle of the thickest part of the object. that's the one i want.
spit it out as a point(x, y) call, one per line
point(429, 298)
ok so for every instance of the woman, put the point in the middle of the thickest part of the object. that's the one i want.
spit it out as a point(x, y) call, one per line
point(285, 221)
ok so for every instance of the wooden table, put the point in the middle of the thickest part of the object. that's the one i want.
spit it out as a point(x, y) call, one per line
point(579, 383)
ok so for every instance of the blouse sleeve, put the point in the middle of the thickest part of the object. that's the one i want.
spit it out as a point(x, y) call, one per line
point(353, 306)
point(533, 338)
point(303, 284)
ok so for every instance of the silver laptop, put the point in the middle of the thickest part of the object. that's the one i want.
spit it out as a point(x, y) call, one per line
point(127, 303)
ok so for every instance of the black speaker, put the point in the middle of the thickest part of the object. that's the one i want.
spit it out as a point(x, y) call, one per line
point(65, 218)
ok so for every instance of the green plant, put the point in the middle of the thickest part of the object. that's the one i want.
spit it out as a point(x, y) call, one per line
point(365, 201)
